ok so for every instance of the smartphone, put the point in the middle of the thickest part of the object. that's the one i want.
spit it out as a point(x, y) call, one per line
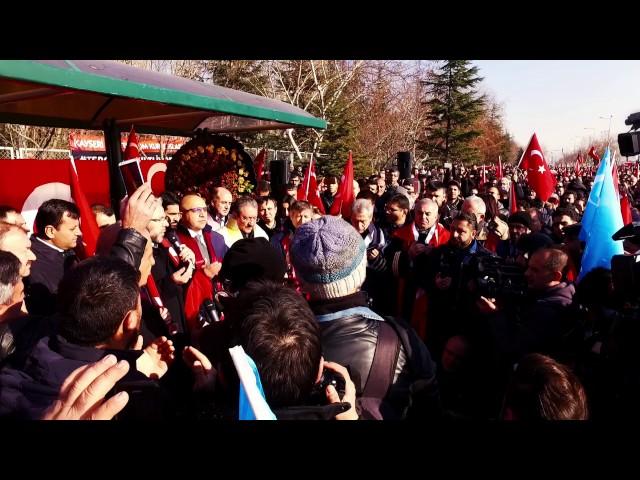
point(131, 174)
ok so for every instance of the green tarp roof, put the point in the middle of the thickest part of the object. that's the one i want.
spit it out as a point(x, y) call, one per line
point(85, 93)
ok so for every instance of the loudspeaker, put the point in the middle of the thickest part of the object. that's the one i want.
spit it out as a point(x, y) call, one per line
point(404, 164)
point(279, 173)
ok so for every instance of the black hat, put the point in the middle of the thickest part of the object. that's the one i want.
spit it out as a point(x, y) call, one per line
point(576, 185)
point(534, 241)
point(522, 218)
point(252, 259)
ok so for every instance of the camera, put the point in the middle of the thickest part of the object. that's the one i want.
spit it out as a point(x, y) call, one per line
point(629, 142)
point(496, 278)
point(329, 377)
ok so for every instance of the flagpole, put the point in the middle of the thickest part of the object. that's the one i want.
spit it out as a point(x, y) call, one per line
point(306, 196)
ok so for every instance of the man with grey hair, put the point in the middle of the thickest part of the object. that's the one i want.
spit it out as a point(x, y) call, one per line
point(242, 224)
point(417, 238)
point(15, 240)
point(475, 206)
point(11, 302)
point(374, 241)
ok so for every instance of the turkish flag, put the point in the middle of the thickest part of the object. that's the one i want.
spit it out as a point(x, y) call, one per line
point(513, 204)
point(499, 173)
point(308, 189)
point(344, 198)
point(258, 164)
point(592, 153)
point(88, 225)
point(539, 176)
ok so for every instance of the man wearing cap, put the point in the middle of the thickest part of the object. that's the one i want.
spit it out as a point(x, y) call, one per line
point(519, 225)
point(330, 260)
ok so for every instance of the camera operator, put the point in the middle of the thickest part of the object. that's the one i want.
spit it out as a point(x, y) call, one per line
point(445, 274)
point(538, 324)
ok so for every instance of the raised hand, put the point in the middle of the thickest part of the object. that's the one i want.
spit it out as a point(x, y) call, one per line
point(82, 393)
point(156, 358)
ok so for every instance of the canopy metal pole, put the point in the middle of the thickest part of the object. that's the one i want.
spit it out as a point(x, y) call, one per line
point(114, 156)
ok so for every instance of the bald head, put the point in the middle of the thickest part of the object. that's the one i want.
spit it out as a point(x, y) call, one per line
point(194, 212)
point(221, 201)
point(425, 214)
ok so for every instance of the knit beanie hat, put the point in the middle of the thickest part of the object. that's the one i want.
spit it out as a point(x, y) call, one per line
point(328, 256)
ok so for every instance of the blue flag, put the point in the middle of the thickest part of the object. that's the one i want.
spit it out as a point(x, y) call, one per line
point(602, 218)
point(253, 404)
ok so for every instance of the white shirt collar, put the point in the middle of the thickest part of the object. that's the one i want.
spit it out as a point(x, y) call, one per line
point(194, 233)
point(48, 244)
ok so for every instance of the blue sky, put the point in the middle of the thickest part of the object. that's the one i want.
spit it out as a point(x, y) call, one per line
point(562, 100)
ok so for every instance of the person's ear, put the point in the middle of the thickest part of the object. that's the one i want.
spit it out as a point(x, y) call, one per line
point(131, 321)
point(50, 231)
point(556, 276)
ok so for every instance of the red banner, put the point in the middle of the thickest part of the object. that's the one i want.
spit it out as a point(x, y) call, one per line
point(85, 146)
point(26, 184)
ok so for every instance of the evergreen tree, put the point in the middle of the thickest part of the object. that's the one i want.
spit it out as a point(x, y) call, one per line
point(454, 106)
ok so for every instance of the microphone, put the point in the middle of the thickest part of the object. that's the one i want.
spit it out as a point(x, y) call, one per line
point(174, 240)
point(176, 244)
point(210, 311)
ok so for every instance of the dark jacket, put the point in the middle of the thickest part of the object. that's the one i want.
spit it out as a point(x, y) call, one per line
point(171, 293)
point(349, 331)
point(450, 311)
point(271, 231)
point(27, 393)
point(129, 246)
point(46, 272)
point(540, 324)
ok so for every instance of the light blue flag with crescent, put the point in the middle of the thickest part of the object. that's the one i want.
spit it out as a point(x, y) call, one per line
point(602, 218)
point(253, 404)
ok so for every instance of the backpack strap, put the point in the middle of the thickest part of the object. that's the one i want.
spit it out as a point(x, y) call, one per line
point(384, 362)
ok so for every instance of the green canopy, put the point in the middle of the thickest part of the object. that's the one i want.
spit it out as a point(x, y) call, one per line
point(88, 93)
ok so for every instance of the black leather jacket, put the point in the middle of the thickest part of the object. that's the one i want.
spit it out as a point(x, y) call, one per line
point(349, 332)
point(129, 246)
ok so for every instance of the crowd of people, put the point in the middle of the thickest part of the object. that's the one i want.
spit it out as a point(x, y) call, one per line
point(381, 314)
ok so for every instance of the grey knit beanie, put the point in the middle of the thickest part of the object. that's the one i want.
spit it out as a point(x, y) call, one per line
point(329, 258)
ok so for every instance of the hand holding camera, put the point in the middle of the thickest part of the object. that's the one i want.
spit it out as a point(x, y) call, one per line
point(338, 387)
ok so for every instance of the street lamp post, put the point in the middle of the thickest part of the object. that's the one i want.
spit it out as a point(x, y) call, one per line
point(610, 117)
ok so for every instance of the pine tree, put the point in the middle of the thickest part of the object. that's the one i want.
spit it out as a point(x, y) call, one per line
point(454, 106)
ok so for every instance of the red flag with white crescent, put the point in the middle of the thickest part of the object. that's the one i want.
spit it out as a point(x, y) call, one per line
point(539, 177)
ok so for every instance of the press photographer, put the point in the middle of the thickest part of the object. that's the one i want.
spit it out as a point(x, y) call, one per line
point(540, 322)
point(447, 274)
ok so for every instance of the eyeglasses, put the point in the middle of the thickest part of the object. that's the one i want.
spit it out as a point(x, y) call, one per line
point(197, 210)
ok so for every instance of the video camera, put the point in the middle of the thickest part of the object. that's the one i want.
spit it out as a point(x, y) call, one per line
point(625, 269)
point(497, 279)
point(629, 142)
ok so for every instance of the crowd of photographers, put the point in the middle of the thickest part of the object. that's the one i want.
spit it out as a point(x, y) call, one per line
point(437, 298)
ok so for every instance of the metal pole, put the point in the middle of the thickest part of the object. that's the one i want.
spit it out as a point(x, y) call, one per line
point(114, 156)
